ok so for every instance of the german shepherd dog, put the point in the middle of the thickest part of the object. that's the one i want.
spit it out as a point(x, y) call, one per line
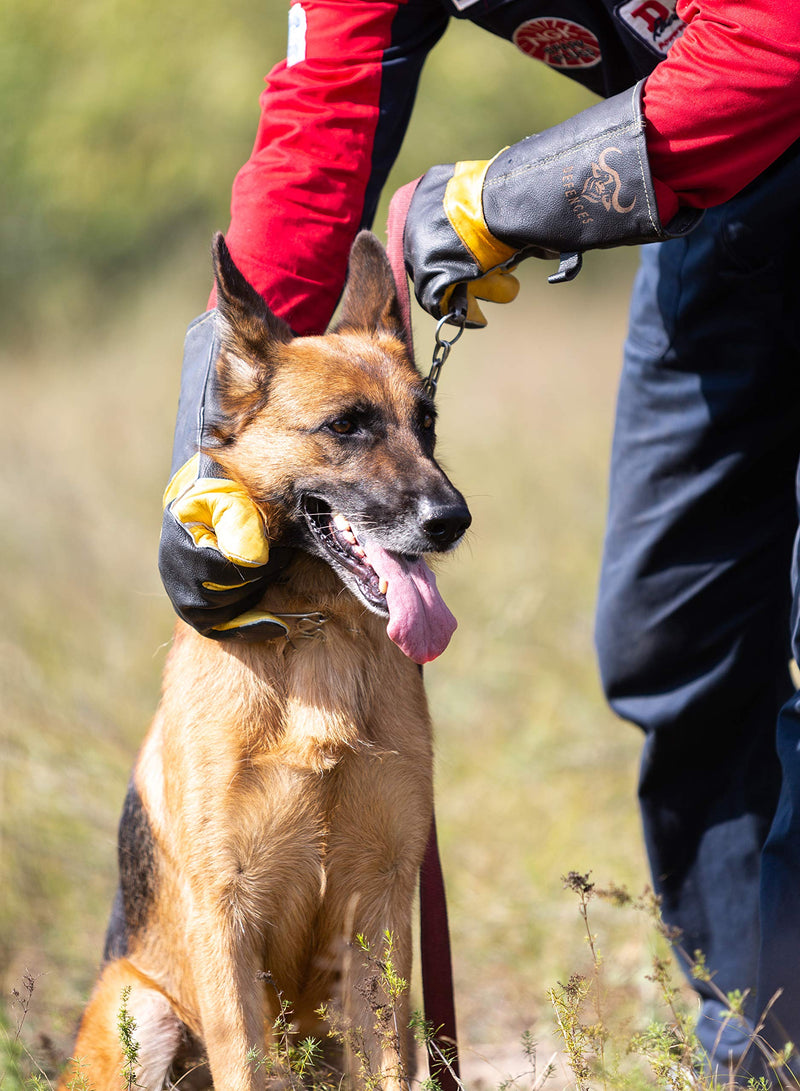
point(282, 799)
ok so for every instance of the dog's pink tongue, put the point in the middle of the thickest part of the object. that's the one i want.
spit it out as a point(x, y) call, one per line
point(420, 623)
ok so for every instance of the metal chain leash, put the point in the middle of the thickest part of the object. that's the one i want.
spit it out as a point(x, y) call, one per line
point(441, 349)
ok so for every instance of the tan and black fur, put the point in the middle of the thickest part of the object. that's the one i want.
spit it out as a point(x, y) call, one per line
point(282, 799)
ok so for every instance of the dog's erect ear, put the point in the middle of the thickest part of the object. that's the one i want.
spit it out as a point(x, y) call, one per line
point(245, 312)
point(249, 333)
point(370, 295)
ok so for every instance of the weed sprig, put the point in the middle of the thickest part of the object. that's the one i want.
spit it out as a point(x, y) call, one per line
point(669, 1047)
point(126, 1027)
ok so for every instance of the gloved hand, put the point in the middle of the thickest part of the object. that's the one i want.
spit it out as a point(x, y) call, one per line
point(214, 557)
point(582, 185)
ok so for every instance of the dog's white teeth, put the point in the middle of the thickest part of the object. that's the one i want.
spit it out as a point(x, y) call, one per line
point(340, 522)
point(350, 537)
point(360, 552)
point(383, 586)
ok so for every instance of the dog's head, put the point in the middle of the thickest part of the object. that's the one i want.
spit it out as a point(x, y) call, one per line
point(333, 438)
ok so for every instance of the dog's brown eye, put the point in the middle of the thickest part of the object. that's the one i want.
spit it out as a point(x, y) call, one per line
point(343, 426)
point(427, 421)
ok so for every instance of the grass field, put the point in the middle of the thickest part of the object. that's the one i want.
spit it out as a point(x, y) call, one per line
point(535, 777)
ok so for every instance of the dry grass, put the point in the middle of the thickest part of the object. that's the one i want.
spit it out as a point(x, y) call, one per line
point(536, 777)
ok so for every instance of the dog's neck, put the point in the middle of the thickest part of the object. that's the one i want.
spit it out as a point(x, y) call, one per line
point(311, 595)
point(310, 700)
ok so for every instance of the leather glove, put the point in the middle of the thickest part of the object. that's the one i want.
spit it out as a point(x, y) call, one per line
point(584, 184)
point(214, 557)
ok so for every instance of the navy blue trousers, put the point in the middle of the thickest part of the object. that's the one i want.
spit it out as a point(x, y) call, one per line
point(693, 626)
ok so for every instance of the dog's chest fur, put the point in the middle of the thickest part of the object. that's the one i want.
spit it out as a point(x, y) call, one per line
point(306, 785)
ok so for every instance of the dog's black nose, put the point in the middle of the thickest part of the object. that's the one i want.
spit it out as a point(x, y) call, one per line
point(445, 523)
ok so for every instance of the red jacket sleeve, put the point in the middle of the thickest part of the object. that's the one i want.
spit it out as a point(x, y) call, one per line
point(331, 124)
point(725, 103)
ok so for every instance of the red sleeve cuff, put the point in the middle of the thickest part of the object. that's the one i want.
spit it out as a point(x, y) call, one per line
point(725, 103)
point(667, 201)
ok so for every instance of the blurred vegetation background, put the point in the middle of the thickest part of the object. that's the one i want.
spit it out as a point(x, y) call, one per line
point(124, 122)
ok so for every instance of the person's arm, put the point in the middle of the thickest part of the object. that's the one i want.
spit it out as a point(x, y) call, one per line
point(331, 126)
point(722, 106)
point(725, 103)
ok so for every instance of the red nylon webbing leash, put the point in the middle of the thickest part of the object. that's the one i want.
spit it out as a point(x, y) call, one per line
point(457, 316)
point(437, 969)
point(435, 956)
point(395, 226)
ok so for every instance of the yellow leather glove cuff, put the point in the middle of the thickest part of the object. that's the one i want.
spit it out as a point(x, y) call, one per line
point(218, 514)
point(463, 206)
point(463, 203)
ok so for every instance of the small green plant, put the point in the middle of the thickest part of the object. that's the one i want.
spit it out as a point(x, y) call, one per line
point(668, 1046)
point(79, 1080)
point(568, 1004)
point(126, 1025)
point(382, 989)
point(296, 1064)
point(442, 1056)
point(537, 1079)
point(19, 1069)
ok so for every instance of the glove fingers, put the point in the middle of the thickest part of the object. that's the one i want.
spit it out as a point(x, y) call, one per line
point(240, 532)
point(476, 319)
point(220, 515)
point(498, 286)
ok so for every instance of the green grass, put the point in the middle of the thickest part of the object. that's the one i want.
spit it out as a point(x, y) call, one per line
point(535, 777)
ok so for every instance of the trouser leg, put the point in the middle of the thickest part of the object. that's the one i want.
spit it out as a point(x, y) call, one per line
point(694, 596)
point(779, 968)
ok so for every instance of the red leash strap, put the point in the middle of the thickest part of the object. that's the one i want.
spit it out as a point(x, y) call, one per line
point(395, 226)
point(437, 969)
point(437, 966)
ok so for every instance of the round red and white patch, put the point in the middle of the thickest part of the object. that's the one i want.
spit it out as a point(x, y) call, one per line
point(558, 42)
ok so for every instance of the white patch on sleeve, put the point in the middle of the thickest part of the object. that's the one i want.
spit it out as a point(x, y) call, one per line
point(296, 46)
point(654, 22)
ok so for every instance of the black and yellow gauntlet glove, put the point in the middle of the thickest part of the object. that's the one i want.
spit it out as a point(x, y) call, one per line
point(214, 557)
point(582, 185)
